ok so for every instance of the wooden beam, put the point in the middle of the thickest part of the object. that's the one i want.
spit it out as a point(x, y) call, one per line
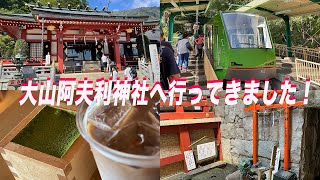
point(189, 121)
point(171, 159)
point(184, 139)
point(185, 115)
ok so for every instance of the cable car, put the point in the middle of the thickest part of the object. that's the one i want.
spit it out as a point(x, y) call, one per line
point(240, 46)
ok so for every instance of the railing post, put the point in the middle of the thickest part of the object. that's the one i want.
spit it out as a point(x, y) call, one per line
point(296, 64)
point(53, 72)
point(150, 73)
point(139, 65)
point(305, 54)
point(0, 69)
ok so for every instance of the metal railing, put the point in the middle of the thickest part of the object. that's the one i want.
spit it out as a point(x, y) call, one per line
point(10, 76)
point(308, 54)
point(146, 70)
point(307, 69)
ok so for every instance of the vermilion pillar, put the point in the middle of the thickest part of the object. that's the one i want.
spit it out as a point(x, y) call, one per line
point(128, 37)
point(116, 52)
point(49, 38)
point(24, 34)
point(60, 51)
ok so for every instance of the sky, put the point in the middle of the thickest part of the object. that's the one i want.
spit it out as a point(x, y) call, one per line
point(123, 4)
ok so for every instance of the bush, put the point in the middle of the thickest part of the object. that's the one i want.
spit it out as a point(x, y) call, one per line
point(6, 46)
point(21, 47)
point(140, 46)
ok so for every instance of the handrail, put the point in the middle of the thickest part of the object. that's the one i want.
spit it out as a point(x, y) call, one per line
point(306, 69)
point(308, 54)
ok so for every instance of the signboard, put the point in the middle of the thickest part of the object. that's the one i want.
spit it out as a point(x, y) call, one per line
point(206, 150)
point(3, 84)
point(155, 61)
point(189, 158)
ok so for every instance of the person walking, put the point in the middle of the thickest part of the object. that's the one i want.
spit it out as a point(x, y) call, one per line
point(169, 70)
point(184, 47)
point(199, 45)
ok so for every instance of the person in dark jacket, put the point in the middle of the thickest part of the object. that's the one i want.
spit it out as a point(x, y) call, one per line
point(168, 68)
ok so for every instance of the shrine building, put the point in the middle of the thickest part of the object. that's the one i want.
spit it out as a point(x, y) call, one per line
point(76, 37)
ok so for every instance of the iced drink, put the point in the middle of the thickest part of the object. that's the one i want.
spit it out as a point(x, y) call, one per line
point(125, 140)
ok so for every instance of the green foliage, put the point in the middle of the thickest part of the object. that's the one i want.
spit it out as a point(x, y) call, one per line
point(15, 6)
point(304, 31)
point(140, 46)
point(153, 12)
point(223, 5)
point(21, 47)
point(64, 3)
point(19, 7)
point(6, 46)
point(215, 7)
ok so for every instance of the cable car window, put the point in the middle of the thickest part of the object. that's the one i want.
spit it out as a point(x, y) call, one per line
point(246, 30)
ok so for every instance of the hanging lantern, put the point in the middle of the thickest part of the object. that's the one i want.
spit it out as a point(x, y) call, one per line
point(129, 30)
point(51, 28)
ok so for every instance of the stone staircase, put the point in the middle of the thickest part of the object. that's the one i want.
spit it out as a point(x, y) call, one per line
point(196, 74)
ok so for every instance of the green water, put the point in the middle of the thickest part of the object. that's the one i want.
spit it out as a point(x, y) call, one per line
point(52, 132)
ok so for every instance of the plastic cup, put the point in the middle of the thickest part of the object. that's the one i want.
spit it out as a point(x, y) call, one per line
point(113, 164)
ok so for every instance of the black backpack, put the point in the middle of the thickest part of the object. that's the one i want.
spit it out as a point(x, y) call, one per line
point(133, 73)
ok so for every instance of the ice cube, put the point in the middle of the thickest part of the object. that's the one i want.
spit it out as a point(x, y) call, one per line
point(137, 138)
point(106, 117)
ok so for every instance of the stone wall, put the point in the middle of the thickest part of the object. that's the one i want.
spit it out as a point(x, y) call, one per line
point(236, 131)
point(310, 163)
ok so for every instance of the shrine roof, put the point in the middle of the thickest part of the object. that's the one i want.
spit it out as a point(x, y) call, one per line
point(17, 17)
point(81, 14)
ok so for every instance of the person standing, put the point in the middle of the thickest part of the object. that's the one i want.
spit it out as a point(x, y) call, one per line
point(184, 47)
point(127, 73)
point(108, 64)
point(48, 61)
point(168, 68)
point(199, 45)
point(114, 75)
point(104, 62)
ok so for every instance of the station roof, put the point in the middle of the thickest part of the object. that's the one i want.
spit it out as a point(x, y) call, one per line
point(276, 8)
point(184, 5)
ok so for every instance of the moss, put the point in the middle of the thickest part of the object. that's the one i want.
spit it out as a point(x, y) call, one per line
point(52, 131)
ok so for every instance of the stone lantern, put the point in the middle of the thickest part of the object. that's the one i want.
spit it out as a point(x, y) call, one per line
point(18, 62)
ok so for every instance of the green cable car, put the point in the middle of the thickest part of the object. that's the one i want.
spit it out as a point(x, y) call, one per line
point(240, 46)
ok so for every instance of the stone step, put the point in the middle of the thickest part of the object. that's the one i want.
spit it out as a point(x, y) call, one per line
point(195, 67)
point(203, 84)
